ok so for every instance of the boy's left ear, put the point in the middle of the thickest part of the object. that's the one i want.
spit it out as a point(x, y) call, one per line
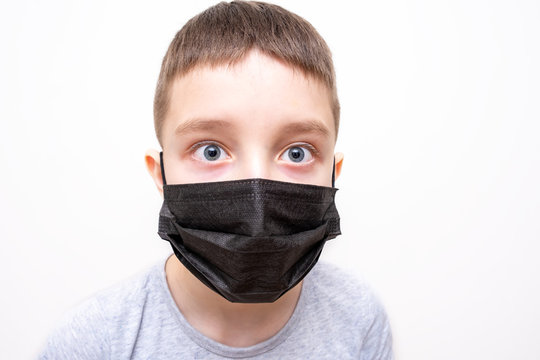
point(339, 163)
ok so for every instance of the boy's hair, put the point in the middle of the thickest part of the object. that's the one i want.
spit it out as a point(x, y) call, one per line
point(224, 34)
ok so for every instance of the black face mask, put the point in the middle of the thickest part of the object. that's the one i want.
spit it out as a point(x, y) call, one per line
point(248, 240)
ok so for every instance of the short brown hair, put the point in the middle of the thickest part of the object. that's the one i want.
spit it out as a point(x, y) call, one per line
point(226, 32)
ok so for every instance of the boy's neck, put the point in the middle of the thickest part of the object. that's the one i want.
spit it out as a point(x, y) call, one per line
point(232, 324)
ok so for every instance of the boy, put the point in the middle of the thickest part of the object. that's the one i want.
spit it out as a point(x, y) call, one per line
point(246, 112)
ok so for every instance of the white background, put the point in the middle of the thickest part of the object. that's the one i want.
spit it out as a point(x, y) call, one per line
point(439, 193)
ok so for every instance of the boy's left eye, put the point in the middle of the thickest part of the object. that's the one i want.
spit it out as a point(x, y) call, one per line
point(297, 154)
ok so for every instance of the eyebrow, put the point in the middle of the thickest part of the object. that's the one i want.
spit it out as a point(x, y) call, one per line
point(198, 124)
point(296, 127)
point(306, 126)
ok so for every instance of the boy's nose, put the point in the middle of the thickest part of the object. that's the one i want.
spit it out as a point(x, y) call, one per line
point(255, 167)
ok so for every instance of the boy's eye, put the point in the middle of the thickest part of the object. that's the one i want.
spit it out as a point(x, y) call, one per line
point(210, 152)
point(297, 154)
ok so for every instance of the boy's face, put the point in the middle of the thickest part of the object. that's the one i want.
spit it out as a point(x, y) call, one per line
point(257, 119)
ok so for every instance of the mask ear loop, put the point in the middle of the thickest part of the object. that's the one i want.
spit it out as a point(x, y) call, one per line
point(163, 169)
point(333, 172)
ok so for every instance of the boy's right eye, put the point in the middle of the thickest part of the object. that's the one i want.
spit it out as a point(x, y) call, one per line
point(210, 152)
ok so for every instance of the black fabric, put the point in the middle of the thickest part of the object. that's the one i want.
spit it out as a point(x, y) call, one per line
point(249, 240)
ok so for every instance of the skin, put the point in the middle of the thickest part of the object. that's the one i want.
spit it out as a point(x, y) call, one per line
point(255, 112)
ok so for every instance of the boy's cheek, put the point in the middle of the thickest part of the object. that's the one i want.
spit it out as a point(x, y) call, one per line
point(194, 171)
point(314, 174)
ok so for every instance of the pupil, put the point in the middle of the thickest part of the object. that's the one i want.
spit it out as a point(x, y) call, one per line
point(296, 154)
point(212, 152)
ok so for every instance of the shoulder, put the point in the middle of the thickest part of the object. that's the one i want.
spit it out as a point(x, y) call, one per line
point(343, 289)
point(82, 325)
point(345, 303)
point(85, 331)
point(124, 300)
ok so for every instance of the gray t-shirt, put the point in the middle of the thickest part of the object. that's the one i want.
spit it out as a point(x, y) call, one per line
point(337, 317)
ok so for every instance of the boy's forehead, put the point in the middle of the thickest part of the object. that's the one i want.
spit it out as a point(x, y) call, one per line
point(258, 91)
point(255, 65)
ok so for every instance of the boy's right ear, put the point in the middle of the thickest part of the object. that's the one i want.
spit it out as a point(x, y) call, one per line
point(151, 158)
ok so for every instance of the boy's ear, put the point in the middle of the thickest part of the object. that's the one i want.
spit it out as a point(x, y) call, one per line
point(151, 158)
point(339, 163)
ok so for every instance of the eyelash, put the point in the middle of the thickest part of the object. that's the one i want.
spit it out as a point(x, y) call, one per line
point(312, 154)
point(310, 147)
point(203, 143)
point(200, 144)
